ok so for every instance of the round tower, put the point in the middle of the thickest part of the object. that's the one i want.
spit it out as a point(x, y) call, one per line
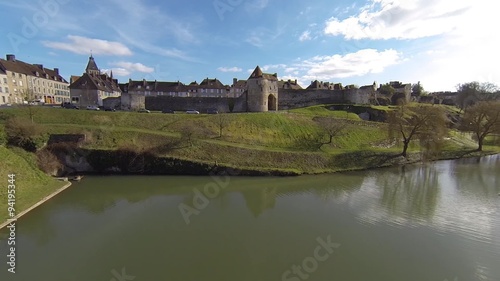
point(262, 91)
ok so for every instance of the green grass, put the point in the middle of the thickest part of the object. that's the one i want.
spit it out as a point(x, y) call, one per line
point(271, 140)
point(31, 183)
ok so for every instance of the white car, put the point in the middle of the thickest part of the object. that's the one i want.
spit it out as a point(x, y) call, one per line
point(192, 111)
point(92, 107)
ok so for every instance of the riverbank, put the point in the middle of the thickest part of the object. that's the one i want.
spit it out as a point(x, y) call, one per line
point(32, 186)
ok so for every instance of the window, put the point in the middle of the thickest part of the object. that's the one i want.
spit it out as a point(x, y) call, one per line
point(6, 90)
point(13, 74)
point(3, 99)
point(21, 83)
point(1, 89)
point(20, 75)
point(5, 80)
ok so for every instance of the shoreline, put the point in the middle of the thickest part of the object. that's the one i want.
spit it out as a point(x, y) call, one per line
point(43, 200)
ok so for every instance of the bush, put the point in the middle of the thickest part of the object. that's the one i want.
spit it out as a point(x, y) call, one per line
point(23, 133)
point(48, 162)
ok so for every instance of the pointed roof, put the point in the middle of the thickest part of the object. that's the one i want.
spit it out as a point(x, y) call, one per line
point(91, 66)
point(257, 73)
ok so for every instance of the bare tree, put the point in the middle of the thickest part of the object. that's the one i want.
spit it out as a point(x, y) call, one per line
point(482, 119)
point(29, 102)
point(425, 123)
point(332, 127)
point(222, 121)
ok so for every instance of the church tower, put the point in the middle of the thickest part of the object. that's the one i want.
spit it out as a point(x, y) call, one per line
point(92, 68)
point(262, 91)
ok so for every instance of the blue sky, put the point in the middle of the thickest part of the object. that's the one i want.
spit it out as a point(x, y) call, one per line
point(438, 42)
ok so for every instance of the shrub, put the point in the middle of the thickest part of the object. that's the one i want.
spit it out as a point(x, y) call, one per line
point(48, 162)
point(23, 133)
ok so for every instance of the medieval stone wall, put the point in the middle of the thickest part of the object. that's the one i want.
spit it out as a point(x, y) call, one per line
point(182, 104)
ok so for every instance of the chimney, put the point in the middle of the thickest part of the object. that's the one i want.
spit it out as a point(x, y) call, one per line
point(235, 81)
point(39, 66)
point(295, 81)
point(10, 57)
point(56, 70)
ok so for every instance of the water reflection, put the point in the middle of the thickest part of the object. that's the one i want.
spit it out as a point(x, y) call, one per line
point(410, 191)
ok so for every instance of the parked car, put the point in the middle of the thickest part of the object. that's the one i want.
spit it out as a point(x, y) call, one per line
point(108, 109)
point(212, 111)
point(143, 110)
point(192, 111)
point(167, 111)
point(69, 105)
point(92, 107)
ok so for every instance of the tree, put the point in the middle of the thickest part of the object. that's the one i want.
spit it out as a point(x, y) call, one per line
point(417, 90)
point(332, 127)
point(470, 93)
point(425, 123)
point(482, 119)
point(387, 91)
point(29, 102)
point(222, 121)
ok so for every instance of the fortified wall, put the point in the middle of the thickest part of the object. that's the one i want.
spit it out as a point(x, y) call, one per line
point(288, 99)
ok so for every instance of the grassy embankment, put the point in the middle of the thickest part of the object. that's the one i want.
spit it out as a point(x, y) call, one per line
point(31, 183)
point(261, 141)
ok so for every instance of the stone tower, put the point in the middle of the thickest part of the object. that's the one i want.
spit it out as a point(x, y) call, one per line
point(262, 91)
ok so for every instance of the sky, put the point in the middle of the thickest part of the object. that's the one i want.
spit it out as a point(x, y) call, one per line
point(440, 43)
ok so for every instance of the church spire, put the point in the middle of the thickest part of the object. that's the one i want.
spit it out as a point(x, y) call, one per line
point(92, 67)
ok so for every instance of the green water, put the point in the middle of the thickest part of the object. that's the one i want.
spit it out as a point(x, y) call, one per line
point(435, 222)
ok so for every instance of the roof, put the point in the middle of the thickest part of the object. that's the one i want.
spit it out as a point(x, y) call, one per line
point(240, 84)
point(289, 85)
point(155, 86)
point(18, 66)
point(91, 65)
point(101, 82)
point(212, 84)
point(257, 73)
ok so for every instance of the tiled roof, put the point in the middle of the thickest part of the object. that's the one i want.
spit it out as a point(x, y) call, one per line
point(96, 82)
point(289, 85)
point(212, 84)
point(30, 69)
point(257, 73)
point(91, 65)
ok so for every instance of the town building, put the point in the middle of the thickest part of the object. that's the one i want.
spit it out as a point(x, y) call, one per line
point(237, 88)
point(290, 84)
point(32, 82)
point(212, 88)
point(4, 88)
point(93, 86)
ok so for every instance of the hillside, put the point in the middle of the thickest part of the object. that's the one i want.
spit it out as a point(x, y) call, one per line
point(31, 184)
point(284, 140)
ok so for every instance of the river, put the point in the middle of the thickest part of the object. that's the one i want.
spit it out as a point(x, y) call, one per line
point(434, 222)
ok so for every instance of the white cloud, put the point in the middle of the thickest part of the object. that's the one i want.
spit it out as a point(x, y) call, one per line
point(83, 45)
point(229, 69)
point(401, 19)
point(117, 72)
point(306, 35)
point(133, 67)
point(350, 65)
point(256, 5)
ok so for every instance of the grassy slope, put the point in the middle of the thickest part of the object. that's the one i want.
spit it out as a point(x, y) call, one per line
point(31, 183)
point(252, 140)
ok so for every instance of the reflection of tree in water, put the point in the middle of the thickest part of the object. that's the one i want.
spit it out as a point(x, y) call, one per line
point(477, 175)
point(414, 192)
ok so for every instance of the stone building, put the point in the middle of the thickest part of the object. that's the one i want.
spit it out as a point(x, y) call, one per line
point(4, 88)
point(262, 91)
point(93, 87)
point(22, 81)
point(290, 84)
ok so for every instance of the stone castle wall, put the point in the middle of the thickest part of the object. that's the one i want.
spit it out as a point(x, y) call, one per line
point(288, 99)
